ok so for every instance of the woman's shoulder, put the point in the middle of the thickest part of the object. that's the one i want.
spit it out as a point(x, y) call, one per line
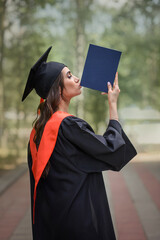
point(73, 121)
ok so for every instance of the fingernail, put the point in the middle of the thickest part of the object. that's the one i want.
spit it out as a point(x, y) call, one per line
point(108, 83)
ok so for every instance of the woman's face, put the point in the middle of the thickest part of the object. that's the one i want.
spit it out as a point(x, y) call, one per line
point(72, 86)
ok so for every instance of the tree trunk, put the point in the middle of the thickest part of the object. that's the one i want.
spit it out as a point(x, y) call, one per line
point(2, 34)
point(17, 131)
point(80, 39)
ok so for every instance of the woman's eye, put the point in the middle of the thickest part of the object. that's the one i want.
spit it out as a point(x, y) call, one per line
point(69, 76)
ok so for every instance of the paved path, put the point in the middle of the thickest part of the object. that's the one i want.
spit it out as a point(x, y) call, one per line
point(135, 198)
point(133, 193)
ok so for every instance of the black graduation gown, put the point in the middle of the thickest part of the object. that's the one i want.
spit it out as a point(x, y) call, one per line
point(71, 202)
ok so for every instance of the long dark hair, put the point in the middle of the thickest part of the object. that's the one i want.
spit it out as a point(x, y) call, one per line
point(45, 111)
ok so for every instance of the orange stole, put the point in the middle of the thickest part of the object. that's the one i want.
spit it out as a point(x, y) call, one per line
point(46, 147)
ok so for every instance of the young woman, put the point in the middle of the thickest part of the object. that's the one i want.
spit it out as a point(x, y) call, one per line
point(66, 159)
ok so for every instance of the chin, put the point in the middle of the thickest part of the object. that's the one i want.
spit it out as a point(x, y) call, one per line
point(79, 92)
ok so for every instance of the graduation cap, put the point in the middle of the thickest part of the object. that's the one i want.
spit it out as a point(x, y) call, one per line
point(100, 67)
point(42, 76)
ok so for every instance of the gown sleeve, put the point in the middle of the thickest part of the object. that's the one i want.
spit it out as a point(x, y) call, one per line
point(96, 153)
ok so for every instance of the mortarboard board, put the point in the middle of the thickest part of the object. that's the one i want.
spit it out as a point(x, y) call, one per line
point(42, 76)
point(100, 67)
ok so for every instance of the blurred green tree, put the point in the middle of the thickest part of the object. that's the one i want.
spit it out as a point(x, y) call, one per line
point(28, 27)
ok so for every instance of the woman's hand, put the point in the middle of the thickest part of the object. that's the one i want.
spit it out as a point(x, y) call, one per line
point(113, 94)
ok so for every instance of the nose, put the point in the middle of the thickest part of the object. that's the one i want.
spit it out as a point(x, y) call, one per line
point(76, 79)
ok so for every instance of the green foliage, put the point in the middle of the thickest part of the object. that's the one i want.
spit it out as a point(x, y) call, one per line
point(96, 106)
point(30, 27)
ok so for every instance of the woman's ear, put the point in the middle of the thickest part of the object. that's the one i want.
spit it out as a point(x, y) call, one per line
point(60, 92)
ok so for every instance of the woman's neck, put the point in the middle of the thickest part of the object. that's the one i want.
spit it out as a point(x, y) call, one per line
point(63, 106)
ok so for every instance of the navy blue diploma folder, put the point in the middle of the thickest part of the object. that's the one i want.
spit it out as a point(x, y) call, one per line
point(100, 67)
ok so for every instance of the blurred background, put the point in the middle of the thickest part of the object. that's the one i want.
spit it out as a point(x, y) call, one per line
point(29, 27)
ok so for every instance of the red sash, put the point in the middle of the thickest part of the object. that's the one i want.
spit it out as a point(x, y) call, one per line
point(46, 147)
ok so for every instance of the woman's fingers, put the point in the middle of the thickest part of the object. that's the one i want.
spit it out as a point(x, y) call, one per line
point(116, 79)
point(115, 84)
point(109, 86)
